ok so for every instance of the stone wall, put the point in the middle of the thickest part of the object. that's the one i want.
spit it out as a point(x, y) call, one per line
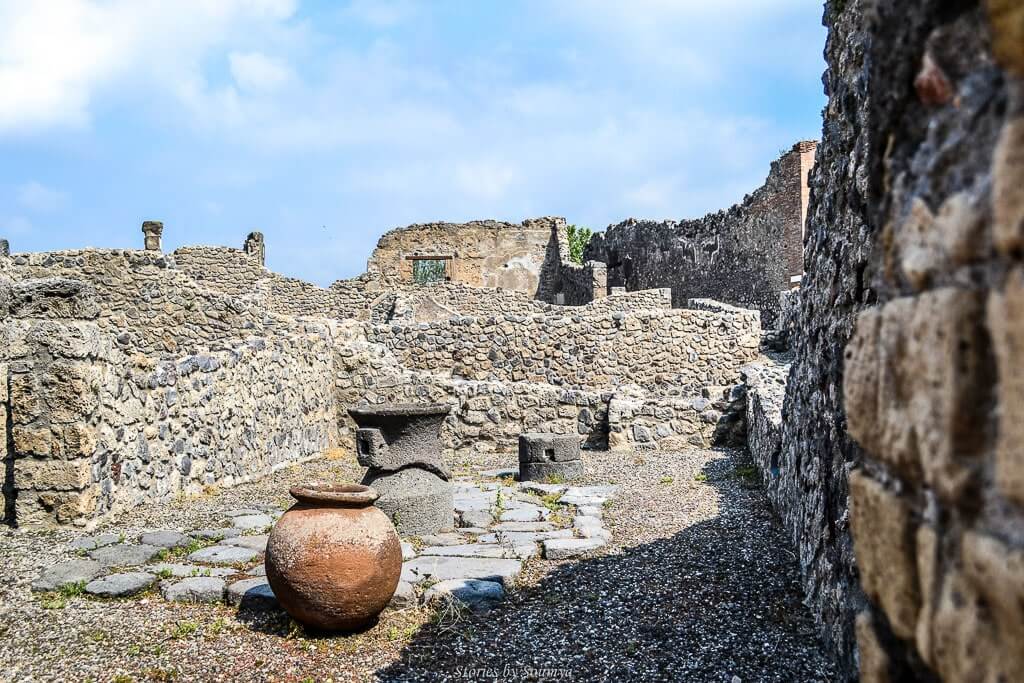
point(933, 385)
point(744, 255)
point(97, 426)
point(908, 336)
point(479, 253)
point(660, 350)
point(221, 269)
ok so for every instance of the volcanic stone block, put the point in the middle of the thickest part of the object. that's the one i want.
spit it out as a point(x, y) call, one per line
point(418, 502)
point(547, 456)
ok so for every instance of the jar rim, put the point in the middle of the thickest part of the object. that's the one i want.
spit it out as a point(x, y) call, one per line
point(321, 492)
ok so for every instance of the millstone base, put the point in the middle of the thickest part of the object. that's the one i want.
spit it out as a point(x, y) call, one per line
point(567, 470)
point(419, 503)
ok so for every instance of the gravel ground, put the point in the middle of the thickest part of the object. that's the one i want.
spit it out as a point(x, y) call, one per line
point(698, 584)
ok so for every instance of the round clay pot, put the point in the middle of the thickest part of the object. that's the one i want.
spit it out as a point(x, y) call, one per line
point(333, 559)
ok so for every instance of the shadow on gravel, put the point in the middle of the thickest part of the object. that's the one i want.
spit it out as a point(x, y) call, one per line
point(718, 599)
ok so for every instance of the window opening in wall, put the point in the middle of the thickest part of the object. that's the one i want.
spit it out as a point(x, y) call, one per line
point(425, 270)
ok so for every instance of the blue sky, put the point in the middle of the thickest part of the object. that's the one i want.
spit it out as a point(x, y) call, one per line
point(325, 124)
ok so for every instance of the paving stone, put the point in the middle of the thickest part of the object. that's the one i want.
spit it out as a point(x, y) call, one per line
point(481, 502)
point(524, 526)
point(477, 518)
point(66, 574)
point(120, 585)
point(408, 552)
point(223, 554)
point(474, 531)
point(595, 532)
point(124, 554)
point(181, 570)
point(582, 521)
point(514, 538)
point(239, 512)
point(443, 539)
point(591, 510)
point(440, 568)
point(479, 596)
point(258, 570)
point(197, 589)
point(606, 491)
point(524, 551)
point(93, 542)
point(215, 534)
point(255, 593)
point(246, 522)
point(531, 513)
point(164, 539)
point(578, 500)
point(251, 542)
point(468, 550)
point(561, 548)
point(542, 489)
point(405, 596)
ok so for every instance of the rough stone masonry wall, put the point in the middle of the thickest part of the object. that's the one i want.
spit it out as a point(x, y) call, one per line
point(934, 384)
point(660, 350)
point(742, 256)
point(914, 238)
point(100, 422)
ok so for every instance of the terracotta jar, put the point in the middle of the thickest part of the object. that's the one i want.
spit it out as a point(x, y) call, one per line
point(333, 559)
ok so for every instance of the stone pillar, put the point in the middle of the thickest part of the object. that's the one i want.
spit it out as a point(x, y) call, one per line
point(5, 248)
point(254, 247)
point(153, 230)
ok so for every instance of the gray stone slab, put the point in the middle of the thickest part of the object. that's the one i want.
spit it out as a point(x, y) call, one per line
point(440, 568)
point(120, 585)
point(223, 554)
point(251, 542)
point(405, 596)
point(199, 589)
point(543, 489)
point(408, 552)
point(562, 548)
point(124, 554)
point(572, 499)
point(591, 510)
point(477, 595)
point(93, 542)
point(606, 490)
point(468, 550)
point(164, 539)
point(476, 518)
point(215, 534)
point(524, 526)
point(514, 538)
point(595, 532)
point(479, 502)
point(246, 522)
point(474, 530)
point(530, 513)
point(443, 539)
point(67, 574)
point(251, 593)
point(181, 570)
point(258, 570)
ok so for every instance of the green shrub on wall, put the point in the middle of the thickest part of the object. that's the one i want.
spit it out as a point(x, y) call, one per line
point(579, 238)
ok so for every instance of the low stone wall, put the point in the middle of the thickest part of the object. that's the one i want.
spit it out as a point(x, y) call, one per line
point(222, 269)
point(658, 350)
point(96, 427)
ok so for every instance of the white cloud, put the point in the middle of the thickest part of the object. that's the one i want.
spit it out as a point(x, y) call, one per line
point(56, 55)
point(38, 197)
point(257, 71)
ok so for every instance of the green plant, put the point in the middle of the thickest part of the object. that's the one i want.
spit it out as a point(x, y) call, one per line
point(71, 590)
point(53, 602)
point(665, 480)
point(555, 479)
point(579, 238)
point(165, 573)
point(122, 678)
point(700, 476)
point(184, 629)
point(217, 626)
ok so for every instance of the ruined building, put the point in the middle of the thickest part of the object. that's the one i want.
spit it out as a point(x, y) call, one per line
point(888, 439)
